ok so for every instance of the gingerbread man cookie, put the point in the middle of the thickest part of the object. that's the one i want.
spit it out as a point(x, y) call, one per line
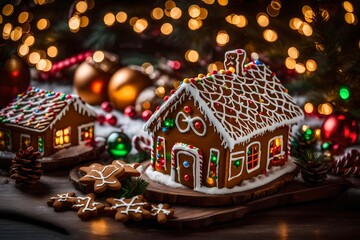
point(130, 168)
point(62, 201)
point(130, 208)
point(87, 207)
point(162, 212)
point(102, 177)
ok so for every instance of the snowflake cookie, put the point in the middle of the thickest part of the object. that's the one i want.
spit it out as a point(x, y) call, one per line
point(103, 177)
point(62, 201)
point(130, 168)
point(131, 208)
point(87, 207)
point(161, 212)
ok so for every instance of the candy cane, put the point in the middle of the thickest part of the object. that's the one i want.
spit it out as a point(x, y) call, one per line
point(141, 143)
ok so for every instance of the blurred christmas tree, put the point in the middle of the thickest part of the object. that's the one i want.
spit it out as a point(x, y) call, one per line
point(312, 45)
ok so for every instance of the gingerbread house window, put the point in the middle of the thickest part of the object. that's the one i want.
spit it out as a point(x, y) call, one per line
point(40, 145)
point(253, 157)
point(161, 152)
point(25, 141)
point(275, 147)
point(86, 132)
point(213, 170)
point(62, 137)
point(236, 163)
point(4, 139)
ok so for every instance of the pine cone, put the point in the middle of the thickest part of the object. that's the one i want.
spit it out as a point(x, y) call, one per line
point(315, 172)
point(25, 168)
point(313, 167)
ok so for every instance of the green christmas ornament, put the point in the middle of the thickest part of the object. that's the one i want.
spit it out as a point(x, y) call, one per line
point(119, 145)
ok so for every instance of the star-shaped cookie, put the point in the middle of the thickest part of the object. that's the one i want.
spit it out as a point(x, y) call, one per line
point(130, 168)
point(131, 208)
point(87, 207)
point(102, 177)
point(62, 201)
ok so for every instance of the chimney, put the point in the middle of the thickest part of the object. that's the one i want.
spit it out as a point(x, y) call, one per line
point(235, 59)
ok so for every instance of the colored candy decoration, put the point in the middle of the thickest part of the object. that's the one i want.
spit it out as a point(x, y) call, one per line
point(186, 164)
point(237, 163)
point(186, 177)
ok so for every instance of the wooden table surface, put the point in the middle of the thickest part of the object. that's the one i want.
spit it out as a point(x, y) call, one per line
point(25, 215)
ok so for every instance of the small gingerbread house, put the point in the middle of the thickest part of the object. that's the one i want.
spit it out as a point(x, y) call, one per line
point(220, 129)
point(46, 120)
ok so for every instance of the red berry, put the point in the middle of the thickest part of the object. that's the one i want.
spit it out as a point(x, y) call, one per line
point(130, 111)
point(107, 106)
point(146, 115)
point(111, 119)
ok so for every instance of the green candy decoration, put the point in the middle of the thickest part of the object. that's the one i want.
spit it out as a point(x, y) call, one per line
point(119, 145)
point(237, 163)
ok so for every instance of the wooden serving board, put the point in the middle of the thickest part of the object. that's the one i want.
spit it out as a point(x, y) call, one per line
point(158, 192)
point(57, 161)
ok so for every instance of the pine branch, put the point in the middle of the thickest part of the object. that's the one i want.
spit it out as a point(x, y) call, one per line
point(132, 187)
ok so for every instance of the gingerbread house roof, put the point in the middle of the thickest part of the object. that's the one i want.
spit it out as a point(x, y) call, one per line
point(238, 105)
point(38, 109)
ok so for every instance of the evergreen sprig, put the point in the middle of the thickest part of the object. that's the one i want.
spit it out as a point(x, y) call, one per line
point(302, 141)
point(132, 187)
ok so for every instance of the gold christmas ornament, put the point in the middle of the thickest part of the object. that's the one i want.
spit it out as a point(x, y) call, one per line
point(92, 77)
point(125, 86)
point(148, 100)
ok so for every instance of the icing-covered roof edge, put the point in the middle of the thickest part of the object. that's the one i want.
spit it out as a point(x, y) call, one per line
point(204, 109)
point(80, 107)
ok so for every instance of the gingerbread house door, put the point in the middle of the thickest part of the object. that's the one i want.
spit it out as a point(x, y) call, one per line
point(186, 161)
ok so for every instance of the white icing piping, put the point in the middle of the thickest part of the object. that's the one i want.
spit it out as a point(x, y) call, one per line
point(257, 97)
point(52, 101)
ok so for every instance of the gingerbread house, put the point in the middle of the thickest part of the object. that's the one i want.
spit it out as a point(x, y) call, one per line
point(46, 120)
point(220, 129)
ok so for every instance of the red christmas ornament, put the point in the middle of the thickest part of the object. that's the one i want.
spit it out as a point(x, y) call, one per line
point(14, 79)
point(111, 119)
point(101, 119)
point(107, 106)
point(146, 115)
point(340, 129)
point(130, 111)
